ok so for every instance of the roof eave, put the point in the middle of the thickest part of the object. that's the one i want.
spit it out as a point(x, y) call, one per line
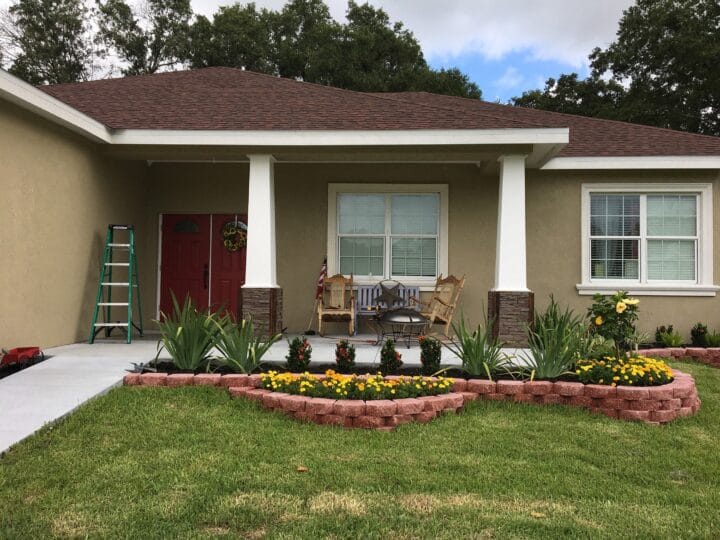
point(632, 163)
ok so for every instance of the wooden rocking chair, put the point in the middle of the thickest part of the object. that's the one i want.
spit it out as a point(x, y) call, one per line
point(337, 303)
point(441, 307)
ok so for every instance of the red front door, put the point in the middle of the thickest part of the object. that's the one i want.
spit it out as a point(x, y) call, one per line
point(228, 261)
point(185, 259)
point(195, 260)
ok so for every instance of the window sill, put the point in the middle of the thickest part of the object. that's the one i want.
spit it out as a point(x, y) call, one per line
point(635, 289)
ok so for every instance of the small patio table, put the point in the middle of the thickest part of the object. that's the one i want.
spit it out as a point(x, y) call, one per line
point(399, 323)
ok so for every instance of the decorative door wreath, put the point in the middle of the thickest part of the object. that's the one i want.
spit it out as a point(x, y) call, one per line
point(234, 235)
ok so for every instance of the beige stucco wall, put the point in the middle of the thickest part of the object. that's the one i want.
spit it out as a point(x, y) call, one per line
point(58, 195)
point(554, 245)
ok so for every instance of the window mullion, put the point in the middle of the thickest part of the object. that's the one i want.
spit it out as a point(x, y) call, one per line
point(643, 240)
point(388, 237)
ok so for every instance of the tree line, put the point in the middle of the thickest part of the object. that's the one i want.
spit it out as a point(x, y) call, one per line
point(58, 41)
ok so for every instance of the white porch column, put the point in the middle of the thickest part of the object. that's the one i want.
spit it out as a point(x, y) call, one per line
point(260, 266)
point(510, 257)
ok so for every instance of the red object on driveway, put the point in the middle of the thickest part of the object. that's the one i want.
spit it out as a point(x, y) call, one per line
point(21, 355)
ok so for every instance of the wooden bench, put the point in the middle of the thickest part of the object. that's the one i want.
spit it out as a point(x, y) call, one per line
point(365, 304)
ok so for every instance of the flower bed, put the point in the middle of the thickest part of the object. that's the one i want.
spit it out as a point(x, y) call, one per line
point(636, 370)
point(704, 355)
point(654, 404)
point(366, 387)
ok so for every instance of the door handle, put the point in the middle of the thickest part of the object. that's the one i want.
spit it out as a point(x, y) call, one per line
point(206, 275)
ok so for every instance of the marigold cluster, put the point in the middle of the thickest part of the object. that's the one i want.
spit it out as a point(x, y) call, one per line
point(636, 370)
point(338, 386)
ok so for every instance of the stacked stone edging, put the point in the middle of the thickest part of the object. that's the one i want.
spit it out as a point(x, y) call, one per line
point(704, 355)
point(650, 404)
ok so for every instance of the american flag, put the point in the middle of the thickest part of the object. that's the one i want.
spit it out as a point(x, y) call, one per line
point(321, 280)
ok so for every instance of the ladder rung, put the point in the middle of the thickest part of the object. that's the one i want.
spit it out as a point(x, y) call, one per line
point(119, 245)
point(113, 304)
point(111, 324)
point(117, 264)
point(106, 284)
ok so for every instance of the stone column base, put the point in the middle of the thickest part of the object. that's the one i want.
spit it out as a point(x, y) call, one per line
point(265, 307)
point(511, 313)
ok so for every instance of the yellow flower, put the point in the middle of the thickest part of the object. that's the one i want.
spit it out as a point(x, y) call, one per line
point(632, 301)
point(598, 320)
point(621, 306)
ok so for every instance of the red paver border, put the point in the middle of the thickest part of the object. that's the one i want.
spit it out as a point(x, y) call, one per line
point(705, 355)
point(649, 404)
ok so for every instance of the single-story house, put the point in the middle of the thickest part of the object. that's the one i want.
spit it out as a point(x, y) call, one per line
point(523, 203)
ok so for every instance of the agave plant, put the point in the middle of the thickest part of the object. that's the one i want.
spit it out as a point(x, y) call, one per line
point(554, 342)
point(240, 347)
point(480, 352)
point(187, 334)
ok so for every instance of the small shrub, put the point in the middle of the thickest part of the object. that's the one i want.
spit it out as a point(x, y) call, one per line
point(345, 355)
point(299, 353)
point(671, 339)
point(636, 371)
point(390, 359)
point(659, 331)
point(336, 386)
point(712, 340)
point(614, 318)
point(481, 353)
point(594, 346)
point(240, 348)
point(697, 335)
point(554, 341)
point(187, 334)
point(429, 355)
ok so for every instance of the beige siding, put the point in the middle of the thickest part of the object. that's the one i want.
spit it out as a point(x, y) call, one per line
point(58, 195)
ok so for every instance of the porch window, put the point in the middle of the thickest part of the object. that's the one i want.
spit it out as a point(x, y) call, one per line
point(383, 234)
point(655, 238)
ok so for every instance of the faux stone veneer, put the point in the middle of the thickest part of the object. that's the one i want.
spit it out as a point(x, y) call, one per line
point(650, 404)
point(709, 355)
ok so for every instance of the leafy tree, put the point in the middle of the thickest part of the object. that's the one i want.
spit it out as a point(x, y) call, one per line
point(238, 36)
point(47, 41)
point(661, 70)
point(451, 82)
point(668, 51)
point(147, 39)
point(592, 96)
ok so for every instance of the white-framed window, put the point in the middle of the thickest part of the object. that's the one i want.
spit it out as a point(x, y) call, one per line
point(651, 239)
point(383, 231)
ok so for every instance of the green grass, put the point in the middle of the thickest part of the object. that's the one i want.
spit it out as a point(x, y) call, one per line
point(190, 462)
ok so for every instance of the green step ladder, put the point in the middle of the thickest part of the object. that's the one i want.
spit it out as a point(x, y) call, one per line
point(128, 281)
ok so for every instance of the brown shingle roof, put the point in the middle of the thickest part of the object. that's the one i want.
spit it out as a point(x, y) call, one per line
point(588, 136)
point(232, 99)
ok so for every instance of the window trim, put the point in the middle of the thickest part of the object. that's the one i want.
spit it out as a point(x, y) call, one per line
point(703, 286)
point(334, 189)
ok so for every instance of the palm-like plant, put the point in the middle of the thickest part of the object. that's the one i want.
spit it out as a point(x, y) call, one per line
point(480, 352)
point(240, 347)
point(554, 341)
point(187, 334)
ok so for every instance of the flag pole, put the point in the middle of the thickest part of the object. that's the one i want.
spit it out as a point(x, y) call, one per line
point(320, 285)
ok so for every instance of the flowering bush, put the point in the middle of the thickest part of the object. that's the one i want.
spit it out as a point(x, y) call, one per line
point(429, 354)
point(368, 387)
point(614, 317)
point(636, 370)
point(345, 355)
point(390, 359)
point(298, 357)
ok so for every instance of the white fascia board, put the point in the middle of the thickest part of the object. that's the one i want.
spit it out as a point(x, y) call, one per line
point(28, 97)
point(633, 162)
point(320, 138)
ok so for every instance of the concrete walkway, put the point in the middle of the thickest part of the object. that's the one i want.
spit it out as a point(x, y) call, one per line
point(40, 394)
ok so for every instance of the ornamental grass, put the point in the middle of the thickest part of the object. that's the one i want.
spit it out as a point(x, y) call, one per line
point(367, 387)
point(636, 371)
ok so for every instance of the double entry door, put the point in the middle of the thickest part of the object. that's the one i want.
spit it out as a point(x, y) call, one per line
point(202, 255)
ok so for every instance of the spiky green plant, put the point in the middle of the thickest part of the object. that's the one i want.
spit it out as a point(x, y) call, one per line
point(187, 334)
point(480, 352)
point(240, 348)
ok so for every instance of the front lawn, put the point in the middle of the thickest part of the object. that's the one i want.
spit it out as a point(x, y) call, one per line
point(190, 462)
